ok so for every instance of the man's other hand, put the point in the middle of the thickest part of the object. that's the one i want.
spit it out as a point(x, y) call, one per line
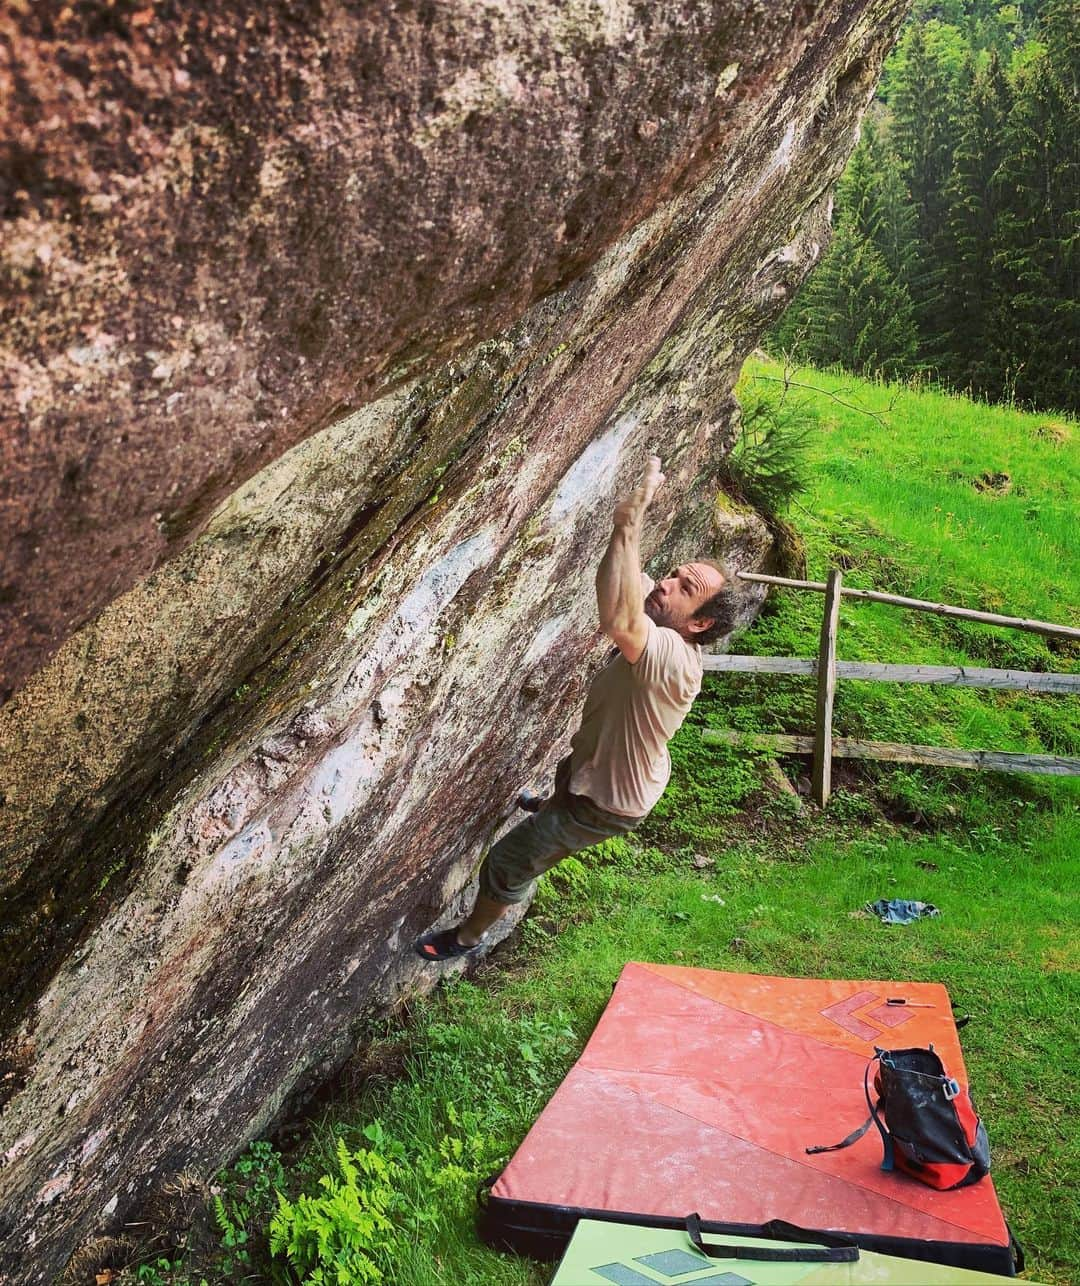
point(631, 509)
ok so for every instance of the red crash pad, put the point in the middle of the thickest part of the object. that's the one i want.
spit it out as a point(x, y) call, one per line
point(700, 1091)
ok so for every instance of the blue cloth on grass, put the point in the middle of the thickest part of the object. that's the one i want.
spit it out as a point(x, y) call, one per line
point(900, 910)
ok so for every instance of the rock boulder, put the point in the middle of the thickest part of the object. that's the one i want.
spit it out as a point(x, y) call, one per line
point(332, 331)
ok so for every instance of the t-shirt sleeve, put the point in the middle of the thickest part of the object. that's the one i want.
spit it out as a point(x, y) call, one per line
point(660, 660)
point(667, 664)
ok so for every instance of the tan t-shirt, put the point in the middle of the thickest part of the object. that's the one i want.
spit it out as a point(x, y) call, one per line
point(619, 755)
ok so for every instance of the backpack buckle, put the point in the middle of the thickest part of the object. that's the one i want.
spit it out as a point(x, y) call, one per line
point(950, 1088)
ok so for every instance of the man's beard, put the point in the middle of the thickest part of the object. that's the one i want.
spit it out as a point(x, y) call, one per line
point(656, 612)
point(662, 616)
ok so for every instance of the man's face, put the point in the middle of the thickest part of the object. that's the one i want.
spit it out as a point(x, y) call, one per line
point(676, 598)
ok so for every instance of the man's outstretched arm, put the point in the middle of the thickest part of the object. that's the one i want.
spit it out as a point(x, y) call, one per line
point(618, 579)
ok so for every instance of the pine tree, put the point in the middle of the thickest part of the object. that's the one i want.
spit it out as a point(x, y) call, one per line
point(858, 194)
point(857, 315)
point(854, 310)
point(1059, 27)
point(1036, 328)
point(971, 289)
point(960, 222)
point(925, 129)
point(896, 237)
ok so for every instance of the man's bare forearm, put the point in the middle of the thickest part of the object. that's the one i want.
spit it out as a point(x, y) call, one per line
point(618, 579)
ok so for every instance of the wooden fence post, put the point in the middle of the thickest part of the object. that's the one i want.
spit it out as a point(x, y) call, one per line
point(826, 690)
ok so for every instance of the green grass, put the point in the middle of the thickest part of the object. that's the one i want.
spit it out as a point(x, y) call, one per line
point(730, 874)
point(914, 477)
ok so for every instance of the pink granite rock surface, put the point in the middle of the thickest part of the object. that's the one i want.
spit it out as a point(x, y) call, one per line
point(330, 333)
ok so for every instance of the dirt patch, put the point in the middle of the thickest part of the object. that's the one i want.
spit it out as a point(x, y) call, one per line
point(1058, 434)
point(998, 484)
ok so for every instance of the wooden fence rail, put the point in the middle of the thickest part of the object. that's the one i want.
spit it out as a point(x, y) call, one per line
point(900, 752)
point(923, 605)
point(956, 676)
point(826, 669)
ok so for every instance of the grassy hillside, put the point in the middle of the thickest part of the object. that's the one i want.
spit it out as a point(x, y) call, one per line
point(732, 873)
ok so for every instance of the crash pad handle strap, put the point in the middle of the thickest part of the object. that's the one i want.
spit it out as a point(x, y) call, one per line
point(827, 1250)
point(1016, 1249)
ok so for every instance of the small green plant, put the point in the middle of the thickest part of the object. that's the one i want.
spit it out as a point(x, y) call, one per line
point(162, 1272)
point(155, 1274)
point(345, 1233)
point(234, 1238)
point(767, 467)
point(571, 874)
point(465, 1154)
point(850, 806)
point(245, 1197)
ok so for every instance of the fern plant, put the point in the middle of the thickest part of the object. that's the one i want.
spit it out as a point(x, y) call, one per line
point(343, 1236)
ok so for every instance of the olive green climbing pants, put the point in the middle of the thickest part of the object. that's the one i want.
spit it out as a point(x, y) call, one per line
point(565, 824)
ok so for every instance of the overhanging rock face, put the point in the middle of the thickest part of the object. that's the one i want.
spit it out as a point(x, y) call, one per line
point(334, 335)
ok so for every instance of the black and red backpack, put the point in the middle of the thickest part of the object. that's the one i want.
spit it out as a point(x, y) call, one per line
point(930, 1129)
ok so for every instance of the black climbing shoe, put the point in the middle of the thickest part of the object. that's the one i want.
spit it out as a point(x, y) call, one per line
point(441, 946)
point(529, 802)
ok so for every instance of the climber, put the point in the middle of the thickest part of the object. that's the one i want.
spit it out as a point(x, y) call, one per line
point(619, 764)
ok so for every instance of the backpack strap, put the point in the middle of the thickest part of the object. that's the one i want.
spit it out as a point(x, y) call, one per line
point(853, 1137)
point(888, 1160)
point(827, 1250)
point(873, 1119)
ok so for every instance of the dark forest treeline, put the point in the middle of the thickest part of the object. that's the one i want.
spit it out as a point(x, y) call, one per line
point(956, 224)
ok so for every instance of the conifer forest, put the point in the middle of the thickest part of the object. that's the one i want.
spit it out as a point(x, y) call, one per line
point(956, 225)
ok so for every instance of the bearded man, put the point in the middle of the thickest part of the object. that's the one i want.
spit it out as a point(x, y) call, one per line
point(618, 764)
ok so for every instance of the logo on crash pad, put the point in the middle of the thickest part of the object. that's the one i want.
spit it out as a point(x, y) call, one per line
point(669, 1264)
point(844, 1013)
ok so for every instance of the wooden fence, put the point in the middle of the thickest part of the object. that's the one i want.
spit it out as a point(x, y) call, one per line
point(824, 747)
